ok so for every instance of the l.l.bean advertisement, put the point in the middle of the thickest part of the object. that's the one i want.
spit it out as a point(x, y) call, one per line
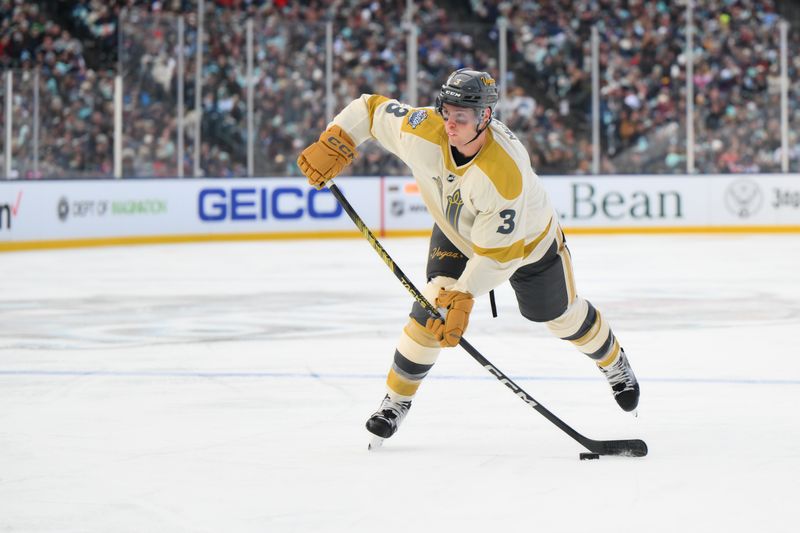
point(713, 203)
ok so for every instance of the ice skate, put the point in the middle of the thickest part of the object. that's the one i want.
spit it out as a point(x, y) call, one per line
point(385, 421)
point(623, 382)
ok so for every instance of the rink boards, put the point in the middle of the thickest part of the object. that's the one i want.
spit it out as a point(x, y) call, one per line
point(68, 213)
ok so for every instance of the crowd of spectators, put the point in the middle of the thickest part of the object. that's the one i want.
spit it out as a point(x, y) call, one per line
point(643, 82)
point(76, 102)
point(78, 46)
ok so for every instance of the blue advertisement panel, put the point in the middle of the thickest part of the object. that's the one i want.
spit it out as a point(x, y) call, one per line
point(33, 211)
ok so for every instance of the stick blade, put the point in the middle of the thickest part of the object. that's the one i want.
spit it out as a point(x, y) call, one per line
point(625, 448)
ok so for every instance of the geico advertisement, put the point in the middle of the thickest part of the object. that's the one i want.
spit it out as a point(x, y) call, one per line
point(63, 209)
point(283, 204)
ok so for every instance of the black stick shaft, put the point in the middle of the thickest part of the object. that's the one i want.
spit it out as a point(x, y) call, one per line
point(632, 447)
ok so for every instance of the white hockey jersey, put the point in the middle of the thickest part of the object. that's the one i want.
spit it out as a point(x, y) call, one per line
point(494, 208)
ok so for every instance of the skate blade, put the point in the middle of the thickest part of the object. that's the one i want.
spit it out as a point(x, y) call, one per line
point(375, 443)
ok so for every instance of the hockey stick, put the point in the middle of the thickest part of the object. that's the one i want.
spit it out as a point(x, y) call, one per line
point(628, 447)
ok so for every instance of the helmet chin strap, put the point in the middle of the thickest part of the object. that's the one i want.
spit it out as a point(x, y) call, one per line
point(478, 129)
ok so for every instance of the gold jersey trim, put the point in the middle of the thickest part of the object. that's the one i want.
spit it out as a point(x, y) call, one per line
point(517, 250)
point(535, 242)
point(372, 105)
point(500, 167)
point(504, 254)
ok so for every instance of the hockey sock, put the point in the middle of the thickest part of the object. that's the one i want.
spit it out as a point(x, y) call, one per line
point(415, 355)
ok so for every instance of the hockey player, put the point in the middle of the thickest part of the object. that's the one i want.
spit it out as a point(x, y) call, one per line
point(493, 223)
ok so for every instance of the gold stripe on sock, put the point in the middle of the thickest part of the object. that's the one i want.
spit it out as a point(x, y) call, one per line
point(611, 357)
point(400, 385)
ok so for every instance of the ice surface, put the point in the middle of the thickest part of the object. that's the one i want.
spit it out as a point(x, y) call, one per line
point(224, 387)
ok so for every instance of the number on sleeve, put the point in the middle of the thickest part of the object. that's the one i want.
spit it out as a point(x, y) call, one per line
point(397, 110)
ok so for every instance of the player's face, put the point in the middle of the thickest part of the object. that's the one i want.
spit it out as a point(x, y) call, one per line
point(459, 116)
point(459, 123)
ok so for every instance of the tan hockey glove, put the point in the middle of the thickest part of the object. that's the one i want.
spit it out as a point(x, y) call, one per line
point(458, 305)
point(324, 159)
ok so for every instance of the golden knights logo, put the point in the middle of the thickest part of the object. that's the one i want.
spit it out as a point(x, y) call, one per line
point(453, 209)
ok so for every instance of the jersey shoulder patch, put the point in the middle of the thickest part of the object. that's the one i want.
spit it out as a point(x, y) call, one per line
point(501, 168)
point(426, 123)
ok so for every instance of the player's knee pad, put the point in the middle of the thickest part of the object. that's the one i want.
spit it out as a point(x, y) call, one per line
point(585, 327)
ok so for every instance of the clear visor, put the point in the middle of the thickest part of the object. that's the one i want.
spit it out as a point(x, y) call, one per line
point(459, 115)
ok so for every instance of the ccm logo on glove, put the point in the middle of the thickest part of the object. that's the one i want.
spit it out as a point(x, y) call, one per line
point(325, 159)
point(343, 148)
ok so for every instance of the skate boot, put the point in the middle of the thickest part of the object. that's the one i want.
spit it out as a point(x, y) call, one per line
point(385, 421)
point(623, 382)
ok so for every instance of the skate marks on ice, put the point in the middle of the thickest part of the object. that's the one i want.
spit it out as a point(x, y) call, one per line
point(127, 321)
point(730, 309)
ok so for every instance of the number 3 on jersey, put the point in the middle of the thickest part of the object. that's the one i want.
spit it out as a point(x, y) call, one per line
point(508, 221)
point(397, 110)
